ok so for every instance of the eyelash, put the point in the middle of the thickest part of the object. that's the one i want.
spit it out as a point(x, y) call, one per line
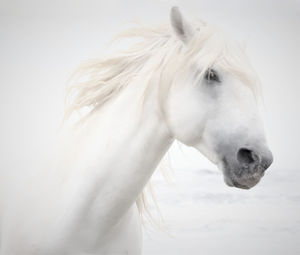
point(211, 76)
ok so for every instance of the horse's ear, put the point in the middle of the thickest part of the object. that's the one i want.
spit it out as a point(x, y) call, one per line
point(183, 30)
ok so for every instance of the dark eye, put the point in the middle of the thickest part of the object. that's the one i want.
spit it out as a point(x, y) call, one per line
point(211, 76)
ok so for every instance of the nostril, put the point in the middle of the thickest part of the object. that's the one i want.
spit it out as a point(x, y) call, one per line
point(245, 155)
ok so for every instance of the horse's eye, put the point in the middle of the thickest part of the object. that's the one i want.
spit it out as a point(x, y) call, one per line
point(211, 76)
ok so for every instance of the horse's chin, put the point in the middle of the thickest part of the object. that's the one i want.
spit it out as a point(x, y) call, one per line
point(244, 184)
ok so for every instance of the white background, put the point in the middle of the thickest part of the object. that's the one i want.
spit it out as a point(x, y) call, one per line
point(42, 42)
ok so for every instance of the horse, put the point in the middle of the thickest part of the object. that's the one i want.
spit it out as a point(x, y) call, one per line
point(182, 81)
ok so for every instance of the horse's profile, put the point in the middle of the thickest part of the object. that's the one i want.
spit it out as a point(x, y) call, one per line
point(180, 82)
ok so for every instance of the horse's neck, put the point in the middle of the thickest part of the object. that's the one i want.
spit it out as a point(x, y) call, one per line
point(124, 145)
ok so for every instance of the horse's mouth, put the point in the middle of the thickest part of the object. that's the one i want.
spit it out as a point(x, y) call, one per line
point(241, 178)
point(242, 184)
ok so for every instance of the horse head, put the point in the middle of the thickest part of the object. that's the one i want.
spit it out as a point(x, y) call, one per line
point(213, 103)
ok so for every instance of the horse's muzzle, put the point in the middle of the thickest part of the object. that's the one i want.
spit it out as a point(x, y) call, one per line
point(245, 169)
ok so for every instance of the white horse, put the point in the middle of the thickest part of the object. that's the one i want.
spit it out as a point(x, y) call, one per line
point(182, 82)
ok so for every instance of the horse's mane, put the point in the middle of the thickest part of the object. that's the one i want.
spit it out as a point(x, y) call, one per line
point(97, 81)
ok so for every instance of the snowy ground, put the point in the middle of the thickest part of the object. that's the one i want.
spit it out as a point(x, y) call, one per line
point(205, 217)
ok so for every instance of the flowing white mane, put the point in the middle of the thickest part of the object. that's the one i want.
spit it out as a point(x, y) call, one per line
point(98, 80)
point(158, 50)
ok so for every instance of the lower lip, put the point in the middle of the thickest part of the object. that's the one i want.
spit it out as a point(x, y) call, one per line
point(240, 186)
